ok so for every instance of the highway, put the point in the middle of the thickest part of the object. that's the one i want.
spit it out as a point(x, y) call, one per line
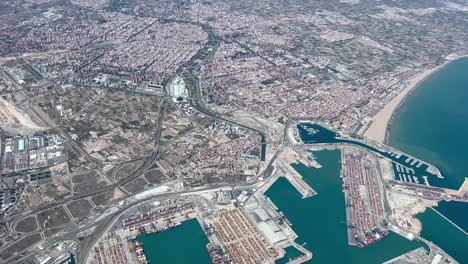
point(108, 222)
point(149, 161)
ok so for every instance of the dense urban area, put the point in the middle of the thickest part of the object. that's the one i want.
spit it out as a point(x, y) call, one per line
point(123, 118)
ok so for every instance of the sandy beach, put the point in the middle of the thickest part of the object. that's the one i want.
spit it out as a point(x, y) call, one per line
point(377, 131)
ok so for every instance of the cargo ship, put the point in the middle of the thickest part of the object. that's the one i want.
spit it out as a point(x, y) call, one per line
point(140, 253)
point(285, 219)
point(155, 230)
point(215, 255)
point(370, 237)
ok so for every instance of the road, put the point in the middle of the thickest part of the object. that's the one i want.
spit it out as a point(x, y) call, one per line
point(149, 161)
point(107, 223)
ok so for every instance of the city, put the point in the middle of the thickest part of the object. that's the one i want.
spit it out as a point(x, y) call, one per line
point(122, 120)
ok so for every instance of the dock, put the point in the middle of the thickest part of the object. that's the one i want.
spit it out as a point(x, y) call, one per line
point(302, 259)
point(364, 198)
point(297, 181)
point(290, 156)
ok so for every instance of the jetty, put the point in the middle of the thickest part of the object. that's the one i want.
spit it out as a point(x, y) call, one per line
point(450, 221)
point(302, 259)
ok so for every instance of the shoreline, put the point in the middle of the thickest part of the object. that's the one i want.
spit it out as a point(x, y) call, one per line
point(380, 126)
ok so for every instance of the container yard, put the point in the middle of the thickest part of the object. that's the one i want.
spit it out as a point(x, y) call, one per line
point(110, 249)
point(364, 198)
point(140, 254)
point(156, 220)
point(121, 244)
point(237, 239)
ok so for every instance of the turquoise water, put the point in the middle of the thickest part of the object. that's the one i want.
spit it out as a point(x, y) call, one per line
point(320, 220)
point(323, 135)
point(432, 125)
point(181, 245)
point(457, 212)
point(291, 253)
point(444, 235)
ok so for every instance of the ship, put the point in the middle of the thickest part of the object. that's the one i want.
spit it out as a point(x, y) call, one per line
point(140, 253)
point(285, 219)
point(215, 255)
point(163, 228)
point(370, 237)
point(309, 130)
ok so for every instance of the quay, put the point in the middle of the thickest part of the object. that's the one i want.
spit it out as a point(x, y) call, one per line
point(302, 259)
point(429, 192)
point(297, 181)
point(363, 197)
point(284, 168)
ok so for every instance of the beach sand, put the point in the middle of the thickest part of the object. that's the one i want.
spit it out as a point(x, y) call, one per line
point(377, 131)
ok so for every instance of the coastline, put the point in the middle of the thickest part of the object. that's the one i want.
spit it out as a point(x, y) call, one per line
point(378, 130)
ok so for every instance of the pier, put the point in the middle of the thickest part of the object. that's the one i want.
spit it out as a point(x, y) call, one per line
point(363, 197)
point(302, 259)
point(297, 181)
point(290, 156)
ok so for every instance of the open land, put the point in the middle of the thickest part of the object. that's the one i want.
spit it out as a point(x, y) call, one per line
point(124, 117)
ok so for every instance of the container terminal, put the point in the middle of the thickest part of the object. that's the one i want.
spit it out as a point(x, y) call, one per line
point(364, 198)
point(121, 245)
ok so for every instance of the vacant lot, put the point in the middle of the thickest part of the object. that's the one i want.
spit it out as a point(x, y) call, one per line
point(80, 208)
point(52, 231)
point(126, 170)
point(106, 197)
point(40, 194)
point(27, 225)
point(155, 176)
point(85, 177)
point(53, 217)
point(135, 186)
point(19, 246)
point(87, 182)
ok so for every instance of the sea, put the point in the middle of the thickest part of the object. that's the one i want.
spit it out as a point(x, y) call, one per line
point(320, 221)
point(431, 124)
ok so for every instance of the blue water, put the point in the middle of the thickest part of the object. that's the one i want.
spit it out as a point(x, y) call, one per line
point(319, 221)
point(323, 135)
point(432, 125)
point(181, 245)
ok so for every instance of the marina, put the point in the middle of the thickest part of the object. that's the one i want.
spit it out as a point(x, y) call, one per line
point(443, 95)
point(403, 163)
point(233, 132)
point(342, 223)
point(318, 220)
